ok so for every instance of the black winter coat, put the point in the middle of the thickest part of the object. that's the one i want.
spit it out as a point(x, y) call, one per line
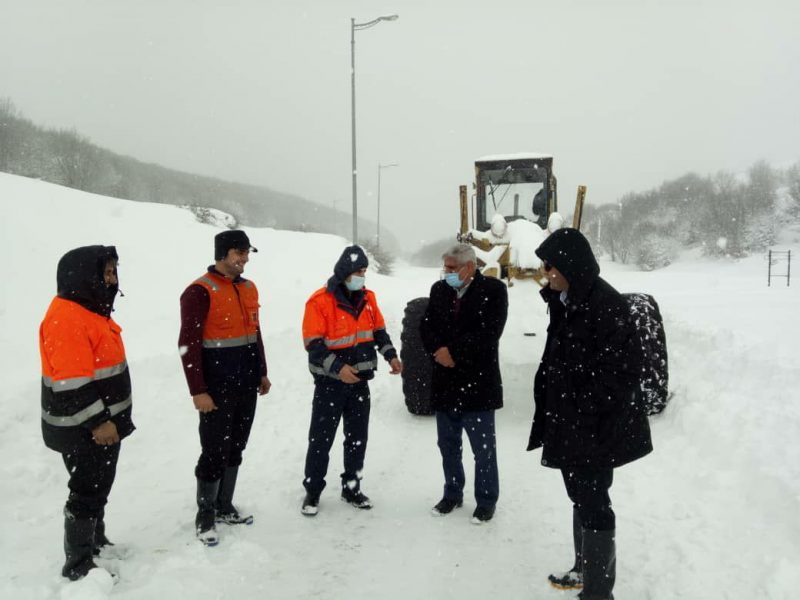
point(587, 412)
point(470, 328)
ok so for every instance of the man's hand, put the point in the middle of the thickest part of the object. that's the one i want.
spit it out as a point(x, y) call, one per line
point(349, 374)
point(204, 403)
point(442, 356)
point(263, 387)
point(105, 434)
point(396, 367)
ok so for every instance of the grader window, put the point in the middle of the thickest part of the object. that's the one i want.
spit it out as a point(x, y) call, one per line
point(514, 193)
point(514, 201)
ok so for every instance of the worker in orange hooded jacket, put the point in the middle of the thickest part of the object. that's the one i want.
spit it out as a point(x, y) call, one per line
point(342, 327)
point(86, 395)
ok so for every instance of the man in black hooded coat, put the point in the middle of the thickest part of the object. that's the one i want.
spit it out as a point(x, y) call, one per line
point(588, 418)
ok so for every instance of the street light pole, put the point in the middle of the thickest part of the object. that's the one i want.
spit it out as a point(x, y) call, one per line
point(378, 232)
point(353, 28)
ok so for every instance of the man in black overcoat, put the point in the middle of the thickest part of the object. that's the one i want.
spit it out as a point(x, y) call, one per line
point(588, 418)
point(461, 331)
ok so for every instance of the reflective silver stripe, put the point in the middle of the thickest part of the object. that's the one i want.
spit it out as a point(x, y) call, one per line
point(211, 283)
point(73, 383)
point(248, 283)
point(308, 340)
point(360, 336)
point(362, 366)
point(328, 362)
point(95, 408)
point(117, 408)
point(244, 340)
point(65, 385)
point(107, 372)
point(386, 348)
point(366, 366)
point(316, 370)
point(348, 339)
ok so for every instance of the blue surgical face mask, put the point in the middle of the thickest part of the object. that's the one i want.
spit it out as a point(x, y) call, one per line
point(356, 283)
point(453, 280)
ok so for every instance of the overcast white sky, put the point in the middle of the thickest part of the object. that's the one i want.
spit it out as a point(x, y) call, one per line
point(624, 93)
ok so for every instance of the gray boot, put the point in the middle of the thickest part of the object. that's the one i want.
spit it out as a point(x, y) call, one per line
point(226, 511)
point(78, 546)
point(204, 521)
point(599, 565)
point(572, 579)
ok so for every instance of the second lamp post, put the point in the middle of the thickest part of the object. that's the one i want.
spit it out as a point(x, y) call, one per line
point(353, 28)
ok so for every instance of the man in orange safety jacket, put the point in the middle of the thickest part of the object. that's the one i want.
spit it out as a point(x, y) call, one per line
point(86, 395)
point(342, 327)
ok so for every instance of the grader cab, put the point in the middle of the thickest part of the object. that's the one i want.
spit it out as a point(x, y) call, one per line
point(514, 207)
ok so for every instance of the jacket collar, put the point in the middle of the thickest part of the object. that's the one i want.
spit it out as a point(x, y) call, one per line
point(213, 271)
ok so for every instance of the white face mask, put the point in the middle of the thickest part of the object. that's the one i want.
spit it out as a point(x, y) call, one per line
point(356, 283)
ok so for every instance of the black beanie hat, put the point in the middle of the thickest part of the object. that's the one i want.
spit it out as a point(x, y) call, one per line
point(232, 238)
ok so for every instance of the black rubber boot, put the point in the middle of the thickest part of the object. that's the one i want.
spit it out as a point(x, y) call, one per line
point(100, 539)
point(599, 565)
point(572, 579)
point(204, 521)
point(78, 546)
point(226, 511)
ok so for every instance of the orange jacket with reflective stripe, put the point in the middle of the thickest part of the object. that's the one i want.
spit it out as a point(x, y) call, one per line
point(336, 333)
point(85, 378)
point(232, 318)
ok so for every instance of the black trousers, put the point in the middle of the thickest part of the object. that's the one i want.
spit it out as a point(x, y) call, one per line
point(588, 487)
point(335, 401)
point(224, 433)
point(92, 470)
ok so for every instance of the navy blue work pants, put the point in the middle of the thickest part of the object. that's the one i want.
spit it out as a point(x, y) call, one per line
point(336, 401)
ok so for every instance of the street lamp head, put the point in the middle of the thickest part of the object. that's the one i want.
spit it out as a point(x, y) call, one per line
point(359, 26)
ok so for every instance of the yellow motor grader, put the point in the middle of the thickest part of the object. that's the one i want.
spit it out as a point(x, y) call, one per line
point(514, 207)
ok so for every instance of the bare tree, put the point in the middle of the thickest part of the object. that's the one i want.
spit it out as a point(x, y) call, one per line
point(76, 159)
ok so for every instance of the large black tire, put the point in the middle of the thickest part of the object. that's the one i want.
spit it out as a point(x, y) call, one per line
point(652, 340)
point(417, 364)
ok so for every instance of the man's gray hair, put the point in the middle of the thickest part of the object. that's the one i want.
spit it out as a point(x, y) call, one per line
point(461, 253)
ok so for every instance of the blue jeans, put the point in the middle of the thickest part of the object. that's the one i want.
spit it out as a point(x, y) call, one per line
point(480, 431)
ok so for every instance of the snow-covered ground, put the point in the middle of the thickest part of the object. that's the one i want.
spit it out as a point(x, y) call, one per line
point(711, 513)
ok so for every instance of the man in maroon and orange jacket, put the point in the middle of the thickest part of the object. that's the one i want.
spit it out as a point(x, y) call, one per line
point(86, 395)
point(224, 363)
